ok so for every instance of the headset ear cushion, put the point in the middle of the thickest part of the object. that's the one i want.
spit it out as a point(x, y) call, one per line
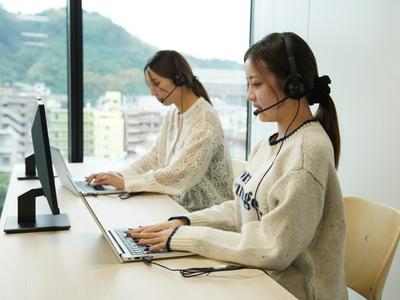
point(179, 80)
point(295, 87)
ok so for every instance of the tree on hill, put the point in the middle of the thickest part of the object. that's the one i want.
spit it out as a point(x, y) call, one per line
point(113, 58)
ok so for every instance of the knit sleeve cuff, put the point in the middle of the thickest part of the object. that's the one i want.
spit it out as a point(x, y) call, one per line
point(198, 219)
point(185, 238)
point(181, 218)
point(195, 219)
point(139, 182)
point(168, 244)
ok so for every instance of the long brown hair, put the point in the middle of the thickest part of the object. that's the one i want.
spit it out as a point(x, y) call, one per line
point(169, 64)
point(271, 52)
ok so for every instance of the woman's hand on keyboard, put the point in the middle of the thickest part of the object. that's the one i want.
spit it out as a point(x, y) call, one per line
point(155, 235)
point(106, 178)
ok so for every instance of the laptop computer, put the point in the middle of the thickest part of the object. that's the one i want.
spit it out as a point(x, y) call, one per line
point(76, 186)
point(124, 247)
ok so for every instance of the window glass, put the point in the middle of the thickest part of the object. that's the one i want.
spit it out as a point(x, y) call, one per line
point(119, 37)
point(32, 64)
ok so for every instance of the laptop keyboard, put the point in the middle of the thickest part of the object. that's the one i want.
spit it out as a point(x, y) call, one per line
point(134, 248)
point(98, 187)
point(83, 186)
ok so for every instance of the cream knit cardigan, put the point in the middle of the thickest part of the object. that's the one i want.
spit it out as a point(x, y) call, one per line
point(190, 163)
point(301, 233)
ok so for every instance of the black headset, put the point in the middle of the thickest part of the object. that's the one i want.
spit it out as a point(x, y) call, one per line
point(178, 79)
point(295, 86)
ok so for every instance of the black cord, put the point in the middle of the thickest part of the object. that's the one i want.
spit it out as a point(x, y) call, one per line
point(126, 195)
point(277, 153)
point(111, 195)
point(198, 271)
point(122, 195)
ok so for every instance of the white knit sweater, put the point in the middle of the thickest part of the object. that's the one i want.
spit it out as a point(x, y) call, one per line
point(301, 233)
point(189, 162)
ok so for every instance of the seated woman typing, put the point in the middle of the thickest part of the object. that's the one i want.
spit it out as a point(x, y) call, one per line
point(190, 159)
point(287, 216)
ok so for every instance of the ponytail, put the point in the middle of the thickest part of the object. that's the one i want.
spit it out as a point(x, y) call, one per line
point(326, 112)
point(199, 89)
point(327, 117)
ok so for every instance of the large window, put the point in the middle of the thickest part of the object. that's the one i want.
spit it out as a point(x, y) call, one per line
point(122, 119)
point(32, 64)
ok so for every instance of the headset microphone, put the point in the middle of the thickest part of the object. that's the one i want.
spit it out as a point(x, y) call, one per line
point(259, 111)
point(169, 94)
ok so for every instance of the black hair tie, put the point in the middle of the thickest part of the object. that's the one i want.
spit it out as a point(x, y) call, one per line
point(320, 92)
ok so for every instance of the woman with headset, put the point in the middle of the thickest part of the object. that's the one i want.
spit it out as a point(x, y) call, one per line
point(190, 160)
point(287, 216)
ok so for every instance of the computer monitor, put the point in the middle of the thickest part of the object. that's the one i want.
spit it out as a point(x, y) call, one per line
point(27, 220)
point(41, 150)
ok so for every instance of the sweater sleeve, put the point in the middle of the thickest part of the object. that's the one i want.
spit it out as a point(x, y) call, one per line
point(185, 170)
point(218, 216)
point(274, 242)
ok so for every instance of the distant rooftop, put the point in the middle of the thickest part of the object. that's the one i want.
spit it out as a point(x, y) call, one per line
point(34, 18)
point(34, 35)
point(35, 44)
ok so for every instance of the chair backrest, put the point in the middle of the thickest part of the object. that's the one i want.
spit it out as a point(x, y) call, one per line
point(238, 165)
point(373, 232)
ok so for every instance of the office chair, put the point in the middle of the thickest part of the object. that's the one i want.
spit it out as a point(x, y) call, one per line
point(238, 166)
point(373, 232)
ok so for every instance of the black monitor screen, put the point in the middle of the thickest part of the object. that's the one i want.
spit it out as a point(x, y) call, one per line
point(41, 148)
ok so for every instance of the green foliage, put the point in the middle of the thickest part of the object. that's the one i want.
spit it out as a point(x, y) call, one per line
point(9, 38)
point(4, 178)
point(113, 58)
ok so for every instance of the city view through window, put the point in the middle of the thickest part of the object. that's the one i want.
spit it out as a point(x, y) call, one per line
point(121, 118)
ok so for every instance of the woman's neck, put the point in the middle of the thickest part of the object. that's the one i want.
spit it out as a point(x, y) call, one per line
point(287, 125)
point(187, 99)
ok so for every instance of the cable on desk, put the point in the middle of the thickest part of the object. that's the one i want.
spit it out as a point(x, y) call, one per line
point(198, 271)
point(122, 195)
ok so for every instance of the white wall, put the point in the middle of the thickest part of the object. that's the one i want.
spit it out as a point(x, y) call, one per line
point(270, 16)
point(357, 43)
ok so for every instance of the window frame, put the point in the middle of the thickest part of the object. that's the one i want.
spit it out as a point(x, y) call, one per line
point(75, 82)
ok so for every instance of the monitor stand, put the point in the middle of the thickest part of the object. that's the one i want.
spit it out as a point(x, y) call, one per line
point(30, 168)
point(28, 221)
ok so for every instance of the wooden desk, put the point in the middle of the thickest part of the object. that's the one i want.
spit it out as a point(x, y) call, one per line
point(79, 264)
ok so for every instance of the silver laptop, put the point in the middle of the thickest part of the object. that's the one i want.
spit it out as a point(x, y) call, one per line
point(75, 186)
point(124, 247)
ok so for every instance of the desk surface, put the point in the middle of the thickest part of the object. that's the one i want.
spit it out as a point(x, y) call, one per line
point(79, 264)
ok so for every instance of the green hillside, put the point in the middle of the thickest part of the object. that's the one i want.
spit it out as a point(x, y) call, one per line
point(113, 58)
